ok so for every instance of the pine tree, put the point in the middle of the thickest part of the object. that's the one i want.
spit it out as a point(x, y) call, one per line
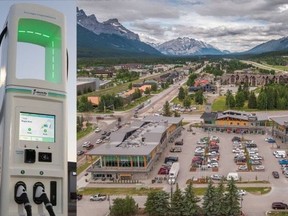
point(252, 101)
point(239, 99)
point(210, 200)
point(230, 101)
point(232, 199)
point(199, 97)
point(124, 207)
point(157, 203)
point(166, 109)
point(181, 94)
point(262, 100)
point(177, 204)
point(221, 207)
point(187, 102)
point(190, 202)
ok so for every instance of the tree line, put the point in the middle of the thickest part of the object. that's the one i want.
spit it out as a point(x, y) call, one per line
point(270, 97)
point(217, 201)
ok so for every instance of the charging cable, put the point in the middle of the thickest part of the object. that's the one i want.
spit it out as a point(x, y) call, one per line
point(39, 197)
point(21, 198)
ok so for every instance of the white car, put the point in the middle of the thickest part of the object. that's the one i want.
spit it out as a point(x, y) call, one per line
point(97, 130)
point(259, 168)
point(212, 165)
point(86, 144)
point(217, 177)
point(279, 156)
point(241, 192)
point(201, 142)
point(242, 167)
point(99, 141)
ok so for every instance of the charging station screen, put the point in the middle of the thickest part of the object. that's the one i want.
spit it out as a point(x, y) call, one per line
point(37, 127)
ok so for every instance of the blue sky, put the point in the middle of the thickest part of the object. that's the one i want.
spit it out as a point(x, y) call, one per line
point(233, 25)
point(69, 9)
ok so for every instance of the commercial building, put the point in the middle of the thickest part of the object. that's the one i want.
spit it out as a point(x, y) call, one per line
point(234, 121)
point(280, 128)
point(132, 151)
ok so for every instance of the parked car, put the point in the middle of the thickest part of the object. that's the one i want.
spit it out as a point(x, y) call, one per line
point(175, 149)
point(179, 142)
point(259, 168)
point(163, 171)
point(235, 138)
point(171, 159)
point(255, 162)
point(97, 130)
point(217, 177)
point(242, 167)
point(283, 161)
point(279, 205)
point(275, 174)
point(212, 165)
point(98, 197)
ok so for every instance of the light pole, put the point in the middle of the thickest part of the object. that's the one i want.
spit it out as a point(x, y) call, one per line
point(241, 200)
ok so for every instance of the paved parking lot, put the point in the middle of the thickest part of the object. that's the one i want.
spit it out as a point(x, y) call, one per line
point(253, 205)
point(226, 162)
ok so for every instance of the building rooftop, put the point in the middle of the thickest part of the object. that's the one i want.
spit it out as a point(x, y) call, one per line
point(281, 120)
point(140, 138)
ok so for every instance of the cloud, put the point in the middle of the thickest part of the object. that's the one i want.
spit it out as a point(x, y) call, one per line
point(233, 25)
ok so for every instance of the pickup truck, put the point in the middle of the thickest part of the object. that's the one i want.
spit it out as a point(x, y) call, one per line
point(175, 149)
point(98, 197)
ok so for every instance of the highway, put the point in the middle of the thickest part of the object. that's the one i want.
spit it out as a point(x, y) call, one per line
point(266, 67)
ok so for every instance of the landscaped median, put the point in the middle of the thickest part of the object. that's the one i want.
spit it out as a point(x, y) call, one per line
point(277, 213)
point(142, 191)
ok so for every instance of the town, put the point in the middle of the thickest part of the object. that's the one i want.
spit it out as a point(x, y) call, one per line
point(156, 129)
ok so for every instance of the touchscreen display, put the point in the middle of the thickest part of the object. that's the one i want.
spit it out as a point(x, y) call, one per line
point(37, 127)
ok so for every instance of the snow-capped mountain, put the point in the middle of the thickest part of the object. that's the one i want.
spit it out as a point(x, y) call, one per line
point(270, 46)
point(187, 46)
point(111, 26)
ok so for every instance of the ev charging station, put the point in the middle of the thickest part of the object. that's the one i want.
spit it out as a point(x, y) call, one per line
point(33, 114)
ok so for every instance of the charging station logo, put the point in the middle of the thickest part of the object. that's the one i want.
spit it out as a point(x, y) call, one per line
point(39, 92)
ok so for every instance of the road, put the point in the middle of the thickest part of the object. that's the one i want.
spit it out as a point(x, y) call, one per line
point(266, 67)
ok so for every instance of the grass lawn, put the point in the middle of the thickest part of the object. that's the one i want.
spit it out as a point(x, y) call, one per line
point(277, 213)
point(145, 191)
point(135, 103)
point(84, 132)
point(257, 190)
point(279, 67)
point(219, 104)
point(118, 191)
point(84, 166)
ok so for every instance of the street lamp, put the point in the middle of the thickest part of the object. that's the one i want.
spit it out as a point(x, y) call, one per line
point(241, 200)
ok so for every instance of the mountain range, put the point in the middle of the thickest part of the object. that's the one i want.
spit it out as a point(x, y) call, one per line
point(108, 39)
point(112, 39)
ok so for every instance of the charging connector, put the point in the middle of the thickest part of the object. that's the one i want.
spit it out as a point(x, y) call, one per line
point(20, 197)
point(39, 197)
